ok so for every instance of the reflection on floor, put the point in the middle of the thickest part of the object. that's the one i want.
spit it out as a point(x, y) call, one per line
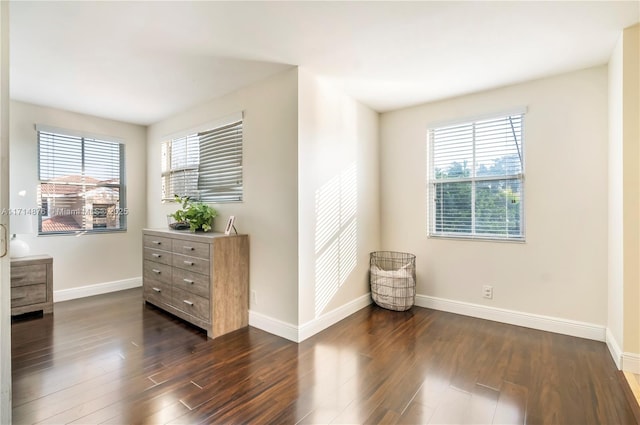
point(110, 359)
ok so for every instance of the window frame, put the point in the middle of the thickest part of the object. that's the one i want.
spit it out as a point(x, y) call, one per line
point(120, 209)
point(432, 182)
point(192, 189)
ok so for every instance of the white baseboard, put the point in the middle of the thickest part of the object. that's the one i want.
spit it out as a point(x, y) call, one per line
point(300, 333)
point(535, 321)
point(528, 320)
point(625, 361)
point(97, 289)
point(614, 349)
point(321, 323)
point(631, 363)
point(273, 326)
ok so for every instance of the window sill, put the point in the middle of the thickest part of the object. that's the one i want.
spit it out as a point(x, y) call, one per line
point(520, 240)
point(82, 232)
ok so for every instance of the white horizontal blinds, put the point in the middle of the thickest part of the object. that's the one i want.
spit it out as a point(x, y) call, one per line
point(497, 146)
point(180, 162)
point(476, 178)
point(59, 155)
point(75, 173)
point(498, 154)
point(452, 151)
point(497, 207)
point(102, 161)
point(60, 174)
point(452, 207)
point(220, 172)
point(207, 165)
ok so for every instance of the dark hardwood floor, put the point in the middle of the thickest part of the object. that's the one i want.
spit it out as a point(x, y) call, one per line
point(109, 359)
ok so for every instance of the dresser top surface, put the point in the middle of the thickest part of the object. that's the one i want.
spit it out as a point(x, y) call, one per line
point(31, 259)
point(188, 235)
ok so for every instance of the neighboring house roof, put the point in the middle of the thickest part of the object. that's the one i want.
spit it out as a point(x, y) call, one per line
point(60, 223)
point(52, 189)
point(75, 179)
point(70, 185)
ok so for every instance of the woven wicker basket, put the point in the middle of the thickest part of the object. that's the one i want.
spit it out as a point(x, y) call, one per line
point(393, 279)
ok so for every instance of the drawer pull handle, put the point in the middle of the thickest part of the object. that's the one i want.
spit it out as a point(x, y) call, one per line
point(189, 248)
point(156, 242)
point(188, 281)
point(188, 263)
point(156, 271)
point(156, 255)
point(157, 289)
point(188, 303)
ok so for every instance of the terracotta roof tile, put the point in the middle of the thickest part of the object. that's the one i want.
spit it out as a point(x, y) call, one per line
point(60, 223)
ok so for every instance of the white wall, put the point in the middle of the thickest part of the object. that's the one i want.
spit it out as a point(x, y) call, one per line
point(268, 213)
point(338, 197)
point(615, 295)
point(89, 259)
point(561, 270)
point(623, 320)
point(631, 193)
point(631, 119)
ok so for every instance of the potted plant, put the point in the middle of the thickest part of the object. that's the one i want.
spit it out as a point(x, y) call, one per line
point(197, 215)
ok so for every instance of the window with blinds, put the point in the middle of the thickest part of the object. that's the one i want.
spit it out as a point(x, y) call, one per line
point(81, 185)
point(476, 176)
point(206, 166)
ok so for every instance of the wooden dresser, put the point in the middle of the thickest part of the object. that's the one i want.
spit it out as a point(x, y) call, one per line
point(202, 278)
point(32, 284)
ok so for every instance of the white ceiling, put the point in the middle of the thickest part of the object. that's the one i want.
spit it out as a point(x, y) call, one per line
point(141, 62)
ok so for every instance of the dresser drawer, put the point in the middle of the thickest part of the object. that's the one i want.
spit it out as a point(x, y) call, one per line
point(191, 304)
point(157, 242)
point(157, 256)
point(195, 283)
point(27, 295)
point(181, 277)
point(192, 264)
point(192, 249)
point(28, 275)
point(156, 271)
point(157, 292)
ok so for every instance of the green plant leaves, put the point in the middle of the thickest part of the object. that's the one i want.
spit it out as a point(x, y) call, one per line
point(198, 214)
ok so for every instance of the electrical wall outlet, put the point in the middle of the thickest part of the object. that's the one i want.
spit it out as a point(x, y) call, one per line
point(487, 291)
point(254, 298)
